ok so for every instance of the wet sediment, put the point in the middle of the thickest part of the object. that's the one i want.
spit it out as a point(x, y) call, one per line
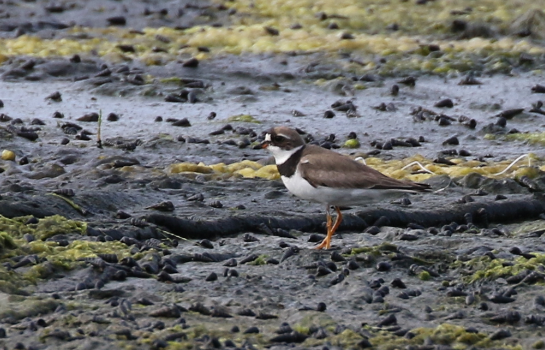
point(176, 232)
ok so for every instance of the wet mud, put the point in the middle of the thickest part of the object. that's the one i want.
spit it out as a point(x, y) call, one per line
point(139, 211)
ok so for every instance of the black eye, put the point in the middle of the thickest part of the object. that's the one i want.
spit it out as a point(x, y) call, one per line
point(278, 138)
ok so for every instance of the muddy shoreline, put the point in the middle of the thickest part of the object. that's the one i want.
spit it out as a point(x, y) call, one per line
point(176, 233)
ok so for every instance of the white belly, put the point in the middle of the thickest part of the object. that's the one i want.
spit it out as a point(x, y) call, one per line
point(337, 196)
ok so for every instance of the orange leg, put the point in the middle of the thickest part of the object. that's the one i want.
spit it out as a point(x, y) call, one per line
point(326, 243)
point(328, 219)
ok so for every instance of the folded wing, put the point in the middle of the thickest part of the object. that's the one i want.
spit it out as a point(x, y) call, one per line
point(343, 172)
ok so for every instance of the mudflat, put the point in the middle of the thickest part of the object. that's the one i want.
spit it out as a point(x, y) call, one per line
point(138, 209)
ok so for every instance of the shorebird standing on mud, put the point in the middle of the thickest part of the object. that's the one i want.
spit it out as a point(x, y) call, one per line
point(319, 175)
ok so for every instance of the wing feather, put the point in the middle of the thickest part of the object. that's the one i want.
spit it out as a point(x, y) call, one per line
point(331, 169)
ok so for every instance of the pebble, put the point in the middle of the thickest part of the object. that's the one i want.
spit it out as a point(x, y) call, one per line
point(212, 277)
point(445, 103)
point(352, 265)
point(117, 20)
point(500, 334)
point(205, 243)
point(251, 330)
point(388, 321)
point(191, 63)
point(398, 283)
point(383, 266)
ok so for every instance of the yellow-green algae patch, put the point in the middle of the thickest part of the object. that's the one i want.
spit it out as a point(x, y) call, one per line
point(540, 344)
point(486, 268)
point(6, 242)
point(424, 276)
point(32, 306)
point(261, 260)
point(51, 257)
point(245, 168)
point(398, 169)
point(445, 334)
point(374, 16)
point(243, 118)
point(10, 281)
point(352, 143)
point(529, 226)
point(199, 328)
point(367, 21)
point(533, 138)
point(45, 228)
point(69, 256)
point(377, 250)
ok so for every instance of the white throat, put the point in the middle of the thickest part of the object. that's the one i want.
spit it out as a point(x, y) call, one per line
point(281, 155)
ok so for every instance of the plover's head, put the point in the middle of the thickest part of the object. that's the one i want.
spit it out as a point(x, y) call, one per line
point(282, 142)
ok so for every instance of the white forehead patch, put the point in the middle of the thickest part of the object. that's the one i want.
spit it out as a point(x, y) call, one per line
point(284, 135)
point(268, 137)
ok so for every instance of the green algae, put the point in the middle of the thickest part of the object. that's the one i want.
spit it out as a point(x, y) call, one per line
point(319, 319)
point(56, 224)
point(45, 228)
point(347, 338)
point(10, 282)
point(6, 242)
point(30, 308)
point(375, 250)
point(51, 257)
point(171, 80)
point(445, 334)
point(246, 118)
point(422, 40)
point(486, 268)
point(532, 138)
point(529, 227)
point(261, 260)
point(540, 344)
point(424, 276)
point(352, 143)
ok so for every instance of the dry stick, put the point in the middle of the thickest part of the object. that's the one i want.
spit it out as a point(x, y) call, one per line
point(99, 140)
point(498, 211)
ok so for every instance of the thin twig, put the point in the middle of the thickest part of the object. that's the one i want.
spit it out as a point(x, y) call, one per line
point(420, 165)
point(99, 140)
point(514, 162)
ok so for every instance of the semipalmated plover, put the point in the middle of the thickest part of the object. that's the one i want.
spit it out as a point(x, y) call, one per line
point(319, 175)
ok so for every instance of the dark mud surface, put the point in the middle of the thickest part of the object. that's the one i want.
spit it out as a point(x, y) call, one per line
point(229, 262)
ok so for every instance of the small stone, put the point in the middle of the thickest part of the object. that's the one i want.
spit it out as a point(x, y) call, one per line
point(384, 266)
point(329, 114)
point(205, 243)
point(112, 117)
point(117, 20)
point(252, 330)
point(500, 334)
point(191, 63)
point(56, 96)
point(352, 265)
point(398, 283)
point(321, 307)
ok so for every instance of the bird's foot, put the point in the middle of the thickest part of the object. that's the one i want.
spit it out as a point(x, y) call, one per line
point(326, 243)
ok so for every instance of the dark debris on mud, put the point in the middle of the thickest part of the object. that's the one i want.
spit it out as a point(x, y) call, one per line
point(101, 249)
